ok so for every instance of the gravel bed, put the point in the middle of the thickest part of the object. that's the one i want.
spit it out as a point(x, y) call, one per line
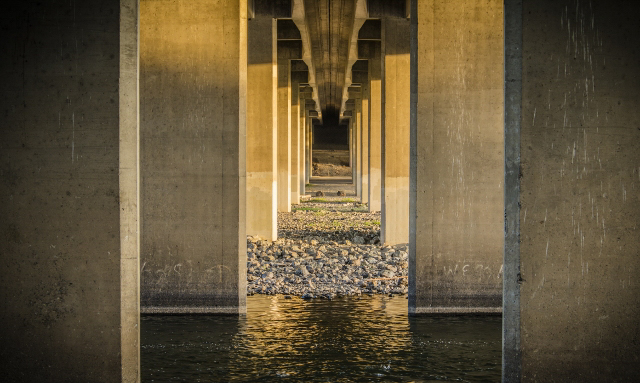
point(326, 249)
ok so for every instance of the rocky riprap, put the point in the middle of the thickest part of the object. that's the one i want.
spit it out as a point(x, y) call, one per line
point(326, 251)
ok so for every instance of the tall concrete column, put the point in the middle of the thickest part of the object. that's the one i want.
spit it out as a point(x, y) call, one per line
point(360, 76)
point(352, 149)
point(261, 128)
point(395, 132)
point(299, 75)
point(284, 134)
point(295, 138)
point(193, 126)
point(303, 140)
point(307, 148)
point(375, 128)
point(69, 191)
point(356, 94)
point(574, 151)
point(455, 263)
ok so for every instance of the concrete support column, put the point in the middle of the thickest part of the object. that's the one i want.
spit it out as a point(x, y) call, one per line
point(574, 151)
point(307, 148)
point(295, 139)
point(352, 149)
point(357, 135)
point(262, 128)
point(69, 192)
point(360, 76)
point(303, 145)
point(395, 132)
point(455, 258)
point(193, 126)
point(375, 129)
point(364, 154)
point(284, 135)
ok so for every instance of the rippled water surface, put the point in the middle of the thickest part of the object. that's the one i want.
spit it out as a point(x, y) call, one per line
point(370, 339)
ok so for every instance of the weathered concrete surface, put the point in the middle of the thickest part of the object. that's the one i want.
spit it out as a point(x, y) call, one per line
point(193, 123)
point(580, 203)
point(295, 139)
point(457, 159)
point(284, 135)
point(262, 129)
point(299, 75)
point(375, 129)
point(511, 356)
point(129, 151)
point(361, 77)
point(60, 249)
point(357, 119)
point(395, 132)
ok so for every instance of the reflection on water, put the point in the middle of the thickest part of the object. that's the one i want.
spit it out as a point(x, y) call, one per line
point(344, 340)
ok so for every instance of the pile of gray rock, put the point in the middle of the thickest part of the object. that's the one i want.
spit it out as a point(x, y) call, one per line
point(317, 267)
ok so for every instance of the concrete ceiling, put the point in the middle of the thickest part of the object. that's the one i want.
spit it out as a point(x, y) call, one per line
point(330, 24)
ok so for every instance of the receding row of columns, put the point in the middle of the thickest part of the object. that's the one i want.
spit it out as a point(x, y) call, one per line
point(280, 146)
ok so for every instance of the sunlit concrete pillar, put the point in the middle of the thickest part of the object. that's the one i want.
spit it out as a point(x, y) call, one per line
point(296, 80)
point(262, 128)
point(375, 128)
point(455, 263)
point(308, 146)
point(360, 76)
point(312, 114)
point(352, 144)
point(193, 124)
point(572, 292)
point(284, 134)
point(303, 139)
point(395, 132)
point(355, 93)
point(69, 179)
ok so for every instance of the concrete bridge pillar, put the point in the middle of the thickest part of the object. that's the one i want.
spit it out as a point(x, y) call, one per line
point(284, 134)
point(374, 59)
point(193, 102)
point(572, 296)
point(299, 75)
point(355, 94)
point(456, 158)
point(262, 128)
point(360, 76)
point(395, 131)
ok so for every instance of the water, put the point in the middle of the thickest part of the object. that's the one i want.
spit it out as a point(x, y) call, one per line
point(370, 339)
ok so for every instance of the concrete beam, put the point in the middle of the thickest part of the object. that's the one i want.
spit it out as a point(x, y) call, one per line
point(298, 17)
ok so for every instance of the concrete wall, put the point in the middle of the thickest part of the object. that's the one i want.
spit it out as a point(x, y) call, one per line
point(193, 102)
point(580, 198)
point(457, 157)
point(60, 247)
